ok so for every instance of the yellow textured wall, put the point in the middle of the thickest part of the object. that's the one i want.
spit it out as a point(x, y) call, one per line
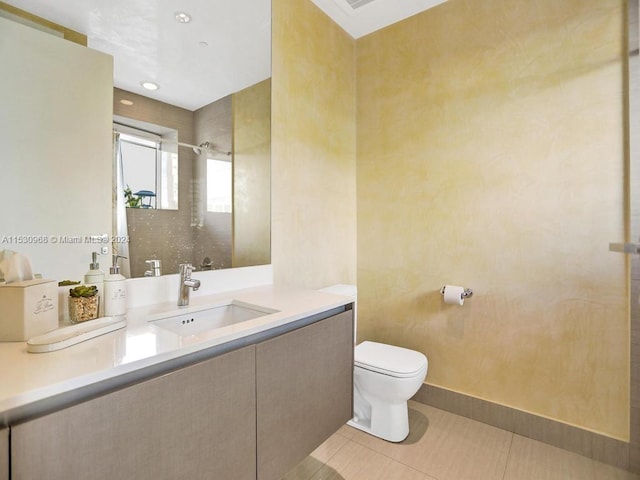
point(252, 175)
point(490, 155)
point(313, 148)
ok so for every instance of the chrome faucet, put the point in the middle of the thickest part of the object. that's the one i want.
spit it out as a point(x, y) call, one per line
point(186, 282)
point(155, 269)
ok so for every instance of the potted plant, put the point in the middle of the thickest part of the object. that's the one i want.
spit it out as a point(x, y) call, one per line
point(83, 303)
point(132, 201)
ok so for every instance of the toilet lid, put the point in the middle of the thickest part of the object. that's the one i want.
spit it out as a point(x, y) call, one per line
point(389, 360)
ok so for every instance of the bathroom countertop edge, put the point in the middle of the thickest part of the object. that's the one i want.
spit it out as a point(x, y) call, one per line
point(40, 383)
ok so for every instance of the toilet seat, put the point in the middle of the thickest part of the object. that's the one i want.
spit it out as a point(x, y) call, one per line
point(389, 360)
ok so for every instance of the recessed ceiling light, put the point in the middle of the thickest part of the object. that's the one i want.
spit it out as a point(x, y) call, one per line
point(182, 17)
point(126, 102)
point(150, 85)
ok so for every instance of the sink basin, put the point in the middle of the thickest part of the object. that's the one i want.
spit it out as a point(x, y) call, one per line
point(198, 322)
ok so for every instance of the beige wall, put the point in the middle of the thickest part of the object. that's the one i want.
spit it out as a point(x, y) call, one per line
point(29, 19)
point(490, 155)
point(313, 148)
point(252, 175)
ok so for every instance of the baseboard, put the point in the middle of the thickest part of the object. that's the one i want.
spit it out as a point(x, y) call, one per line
point(589, 444)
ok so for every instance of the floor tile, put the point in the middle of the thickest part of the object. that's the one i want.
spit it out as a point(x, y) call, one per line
point(347, 431)
point(356, 462)
point(447, 446)
point(330, 447)
point(305, 469)
point(533, 460)
point(316, 460)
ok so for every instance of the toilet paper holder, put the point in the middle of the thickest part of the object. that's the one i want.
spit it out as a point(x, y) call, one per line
point(468, 293)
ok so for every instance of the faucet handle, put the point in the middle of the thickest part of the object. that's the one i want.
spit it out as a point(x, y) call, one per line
point(155, 269)
point(195, 284)
point(186, 269)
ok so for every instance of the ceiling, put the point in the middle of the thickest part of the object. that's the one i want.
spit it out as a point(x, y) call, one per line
point(371, 15)
point(224, 48)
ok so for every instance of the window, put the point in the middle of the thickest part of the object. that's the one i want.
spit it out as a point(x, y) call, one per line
point(218, 186)
point(150, 171)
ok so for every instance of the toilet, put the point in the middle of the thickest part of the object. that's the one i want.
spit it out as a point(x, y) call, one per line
point(385, 378)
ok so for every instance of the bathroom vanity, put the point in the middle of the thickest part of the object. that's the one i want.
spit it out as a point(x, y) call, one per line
point(248, 403)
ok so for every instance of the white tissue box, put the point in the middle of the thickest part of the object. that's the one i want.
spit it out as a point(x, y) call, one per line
point(28, 308)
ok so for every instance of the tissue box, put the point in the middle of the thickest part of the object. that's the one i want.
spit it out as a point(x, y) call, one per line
point(27, 309)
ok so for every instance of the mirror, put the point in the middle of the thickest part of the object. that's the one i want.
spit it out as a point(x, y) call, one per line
point(216, 110)
point(222, 219)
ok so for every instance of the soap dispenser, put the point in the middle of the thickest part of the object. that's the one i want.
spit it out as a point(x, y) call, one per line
point(115, 290)
point(95, 276)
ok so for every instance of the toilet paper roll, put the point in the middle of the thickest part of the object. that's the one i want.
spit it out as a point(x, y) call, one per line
point(453, 295)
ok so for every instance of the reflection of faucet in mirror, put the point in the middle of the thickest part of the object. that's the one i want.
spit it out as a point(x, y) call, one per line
point(186, 282)
point(154, 268)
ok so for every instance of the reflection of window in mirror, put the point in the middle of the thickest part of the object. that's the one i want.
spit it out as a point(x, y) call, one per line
point(150, 172)
point(218, 185)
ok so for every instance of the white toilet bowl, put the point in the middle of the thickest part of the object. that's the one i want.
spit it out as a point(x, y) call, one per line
point(385, 378)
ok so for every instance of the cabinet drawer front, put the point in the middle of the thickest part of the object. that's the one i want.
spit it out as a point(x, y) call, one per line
point(305, 391)
point(4, 454)
point(194, 423)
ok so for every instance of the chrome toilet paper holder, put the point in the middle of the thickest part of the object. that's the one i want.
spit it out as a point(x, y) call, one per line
point(468, 293)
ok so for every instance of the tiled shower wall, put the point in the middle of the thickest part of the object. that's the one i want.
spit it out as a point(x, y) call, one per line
point(171, 235)
point(161, 234)
point(212, 236)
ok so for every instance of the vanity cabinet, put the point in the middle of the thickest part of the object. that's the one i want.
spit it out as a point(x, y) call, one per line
point(193, 423)
point(304, 385)
point(4, 454)
point(254, 412)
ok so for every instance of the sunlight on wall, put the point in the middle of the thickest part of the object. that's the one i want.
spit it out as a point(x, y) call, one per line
point(490, 155)
point(313, 148)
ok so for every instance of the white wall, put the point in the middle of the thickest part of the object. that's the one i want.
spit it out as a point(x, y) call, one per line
point(55, 155)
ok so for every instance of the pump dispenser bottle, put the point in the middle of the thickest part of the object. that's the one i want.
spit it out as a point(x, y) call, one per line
point(115, 291)
point(95, 276)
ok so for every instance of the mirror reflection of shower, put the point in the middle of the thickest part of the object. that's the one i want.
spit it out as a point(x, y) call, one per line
point(223, 219)
point(209, 149)
point(212, 183)
point(150, 166)
point(150, 169)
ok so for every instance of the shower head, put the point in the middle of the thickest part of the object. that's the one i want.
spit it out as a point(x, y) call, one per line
point(208, 147)
point(198, 149)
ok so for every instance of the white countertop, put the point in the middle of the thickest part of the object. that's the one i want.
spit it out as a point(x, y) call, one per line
point(27, 378)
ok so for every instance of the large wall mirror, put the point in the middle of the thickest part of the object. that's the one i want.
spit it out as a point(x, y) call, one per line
point(196, 183)
point(195, 152)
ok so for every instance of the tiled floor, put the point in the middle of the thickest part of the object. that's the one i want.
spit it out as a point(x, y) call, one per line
point(444, 446)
